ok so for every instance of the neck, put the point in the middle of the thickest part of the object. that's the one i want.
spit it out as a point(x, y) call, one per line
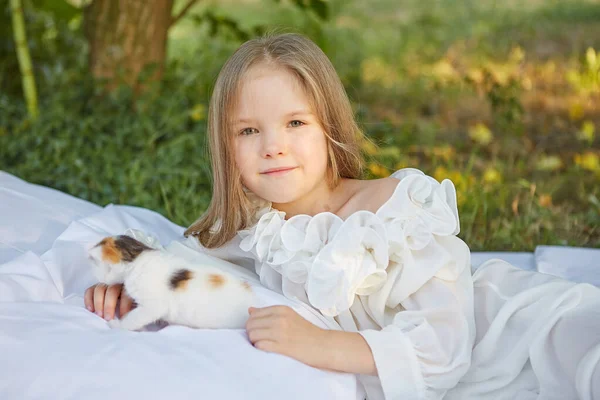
point(321, 199)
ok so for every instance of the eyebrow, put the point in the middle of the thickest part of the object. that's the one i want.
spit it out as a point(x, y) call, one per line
point(288, 115)
point(299, 112)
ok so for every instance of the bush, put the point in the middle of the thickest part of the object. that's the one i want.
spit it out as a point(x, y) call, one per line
point(516, 136)
point(102, 150)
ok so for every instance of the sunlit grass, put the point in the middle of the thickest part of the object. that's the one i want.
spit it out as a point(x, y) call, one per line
point(501, 97)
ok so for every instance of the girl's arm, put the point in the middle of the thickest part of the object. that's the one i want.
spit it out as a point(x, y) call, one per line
point(279, 329)
point(348, 352)
point(422, 351)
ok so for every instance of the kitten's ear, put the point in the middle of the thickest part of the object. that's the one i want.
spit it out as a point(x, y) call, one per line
point(106, 251)
point(129, 248)
point(92, 245)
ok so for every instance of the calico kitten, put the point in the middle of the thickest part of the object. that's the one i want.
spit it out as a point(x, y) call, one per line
point(170, 288)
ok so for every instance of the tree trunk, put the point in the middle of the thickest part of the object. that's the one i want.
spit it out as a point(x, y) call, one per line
point(126, 37)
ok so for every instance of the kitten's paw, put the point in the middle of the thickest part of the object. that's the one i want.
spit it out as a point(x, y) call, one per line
point(115, 324)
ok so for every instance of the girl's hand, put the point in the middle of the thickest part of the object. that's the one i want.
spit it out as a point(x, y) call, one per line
point(279, 329)
point(102, 299)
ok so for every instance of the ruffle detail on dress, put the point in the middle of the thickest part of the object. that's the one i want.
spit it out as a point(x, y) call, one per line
point(327, 261)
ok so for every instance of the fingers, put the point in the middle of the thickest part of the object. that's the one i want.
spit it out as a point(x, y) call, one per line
point(110, 301)
point(103, 299)
point(99, 291)
point(88, 298)
point(126, 304)
point(266, 345)
point(255, 335)
point(258, 323)
point(269, 323)
point(260, 335)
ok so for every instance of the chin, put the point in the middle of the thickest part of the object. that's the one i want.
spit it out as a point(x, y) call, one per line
point(275, 192)
point(279, 196)
point(278, 199)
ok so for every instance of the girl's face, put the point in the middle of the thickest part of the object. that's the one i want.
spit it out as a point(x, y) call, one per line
point(280, 146)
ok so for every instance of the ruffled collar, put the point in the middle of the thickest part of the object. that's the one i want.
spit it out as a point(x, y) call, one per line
point(263, 206)
point(326, 260)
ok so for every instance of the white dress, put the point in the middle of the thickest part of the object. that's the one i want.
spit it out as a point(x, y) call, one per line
point(402, 279)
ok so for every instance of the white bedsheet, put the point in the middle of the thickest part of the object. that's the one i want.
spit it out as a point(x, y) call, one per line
point(52, 348)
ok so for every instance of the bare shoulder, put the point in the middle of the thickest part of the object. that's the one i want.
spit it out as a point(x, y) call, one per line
point(369, 195)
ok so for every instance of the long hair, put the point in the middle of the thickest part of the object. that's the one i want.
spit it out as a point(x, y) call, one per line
point(230, 209)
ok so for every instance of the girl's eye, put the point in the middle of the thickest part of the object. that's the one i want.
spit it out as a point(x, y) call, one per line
point(248, 131)
point(296, 123)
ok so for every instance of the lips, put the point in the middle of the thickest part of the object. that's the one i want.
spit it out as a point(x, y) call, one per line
point(276, 170)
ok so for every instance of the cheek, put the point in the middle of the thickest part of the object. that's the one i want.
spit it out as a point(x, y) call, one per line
point(324, 153)
point(242, 154)
point(315, 152)
point(244, 160)
point(239, 156)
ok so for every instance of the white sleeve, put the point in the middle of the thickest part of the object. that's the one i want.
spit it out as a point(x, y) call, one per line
point(426, 347)
point(425, 309)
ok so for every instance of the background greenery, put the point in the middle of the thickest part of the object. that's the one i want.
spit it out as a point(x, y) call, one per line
point(502, 97)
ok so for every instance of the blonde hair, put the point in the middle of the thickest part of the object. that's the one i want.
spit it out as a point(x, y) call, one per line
point(230, 209)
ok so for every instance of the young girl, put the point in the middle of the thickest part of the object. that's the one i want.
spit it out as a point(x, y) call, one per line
point(381, 257)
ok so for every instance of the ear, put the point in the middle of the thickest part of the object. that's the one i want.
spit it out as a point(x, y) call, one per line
point(106, 251)
point(90, 246)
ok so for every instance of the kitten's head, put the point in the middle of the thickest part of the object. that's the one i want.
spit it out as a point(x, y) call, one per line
point(111, 256)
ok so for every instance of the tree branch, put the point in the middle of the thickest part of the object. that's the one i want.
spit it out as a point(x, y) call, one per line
point(182, 12)
point(24, 58)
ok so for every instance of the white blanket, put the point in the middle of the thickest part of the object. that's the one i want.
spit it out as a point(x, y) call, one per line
point(52, 348)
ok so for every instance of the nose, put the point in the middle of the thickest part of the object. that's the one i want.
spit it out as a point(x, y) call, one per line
point(274, 144)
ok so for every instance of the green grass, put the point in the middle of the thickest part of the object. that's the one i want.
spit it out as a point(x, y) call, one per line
point(421, 74)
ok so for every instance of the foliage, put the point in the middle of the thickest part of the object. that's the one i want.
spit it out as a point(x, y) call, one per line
point(54, 40)
point(463, 90)
point(99, 150)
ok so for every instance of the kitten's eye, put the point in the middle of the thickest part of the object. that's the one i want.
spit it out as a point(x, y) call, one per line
point(248, 131)
point(296, 123)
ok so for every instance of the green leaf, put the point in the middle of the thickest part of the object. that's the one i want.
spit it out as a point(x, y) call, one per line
point(59, 9)
point(319, 7)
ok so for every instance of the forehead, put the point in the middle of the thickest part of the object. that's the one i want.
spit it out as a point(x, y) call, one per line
point(269, 91)
point(263, 70)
